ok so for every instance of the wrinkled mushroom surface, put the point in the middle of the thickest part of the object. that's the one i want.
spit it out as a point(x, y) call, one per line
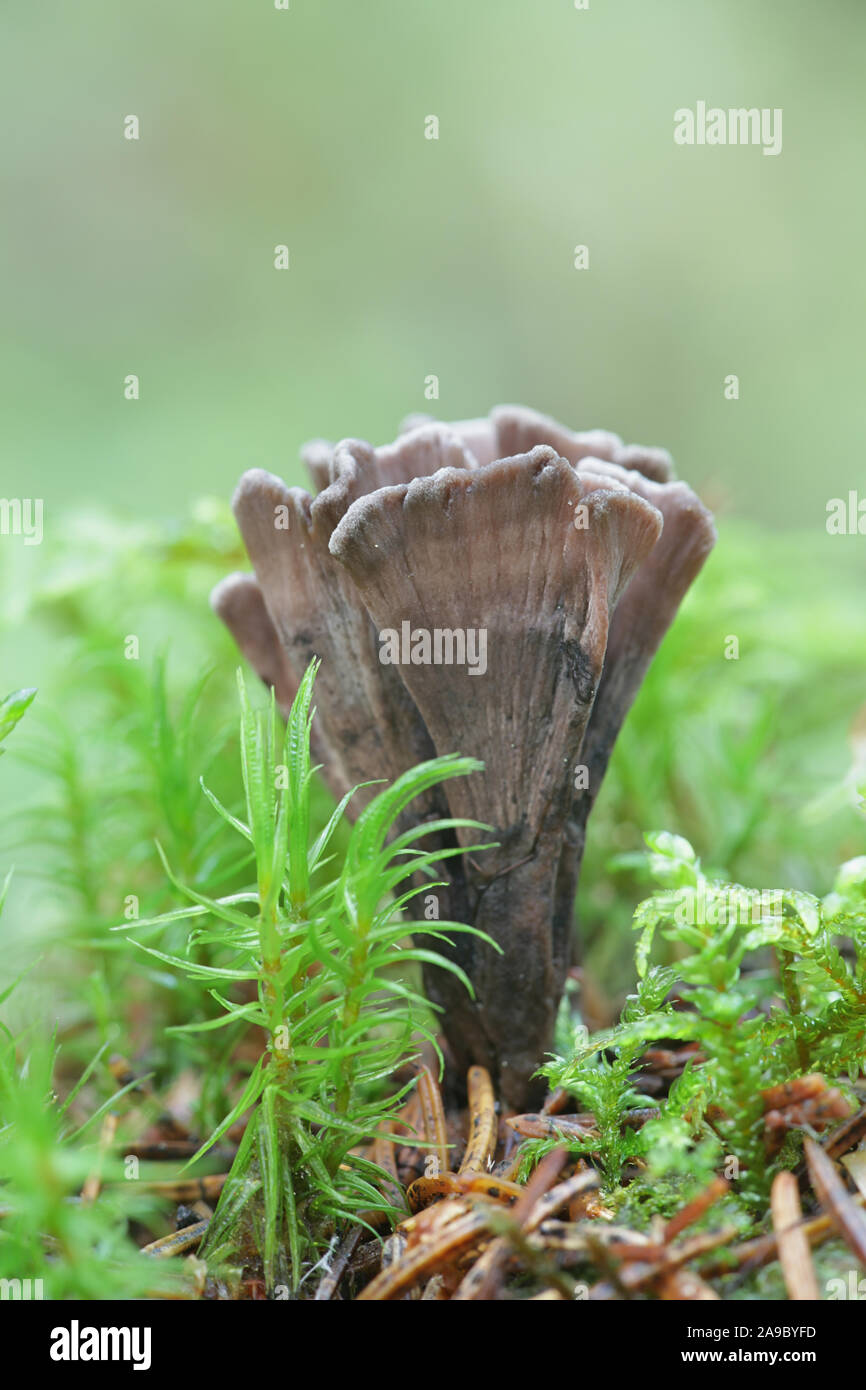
point(497, 588)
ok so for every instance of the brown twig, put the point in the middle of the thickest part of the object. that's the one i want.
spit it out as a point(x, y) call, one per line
point(329, 1284)
point(455, 1232)
point(482, 1278)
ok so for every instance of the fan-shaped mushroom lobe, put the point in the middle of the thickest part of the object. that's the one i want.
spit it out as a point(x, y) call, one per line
point(643, 616)
point(517, 567)
point(497, 586)
point(239, 602)
point(646, 610)
point(368, 724)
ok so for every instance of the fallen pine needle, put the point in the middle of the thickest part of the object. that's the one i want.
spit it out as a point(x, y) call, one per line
point(177, 1242)
point(836, 1200)
point(795, 1257)
point(483, 1125)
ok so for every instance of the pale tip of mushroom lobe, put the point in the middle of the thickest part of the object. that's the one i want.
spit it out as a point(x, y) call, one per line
point(239, 602)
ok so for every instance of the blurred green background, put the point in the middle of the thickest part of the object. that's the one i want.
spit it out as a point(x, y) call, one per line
point(411, 257)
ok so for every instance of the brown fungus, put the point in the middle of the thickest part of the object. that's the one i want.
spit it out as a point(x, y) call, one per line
point(367, 727)
point(495, 588)
point(513, 429)
point(239, 601)
point(495, 556)
point(642, 618)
